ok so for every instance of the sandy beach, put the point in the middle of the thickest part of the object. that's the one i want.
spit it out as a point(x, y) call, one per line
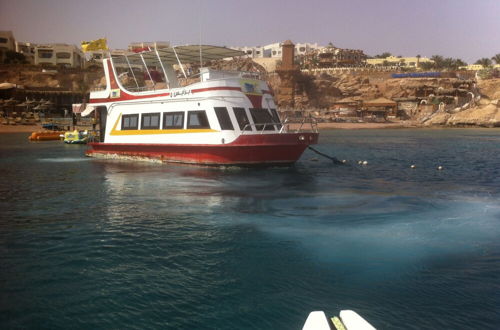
point(19, 128)
point(321, 126)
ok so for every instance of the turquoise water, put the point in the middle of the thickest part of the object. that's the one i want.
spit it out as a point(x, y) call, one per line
point(88, 243)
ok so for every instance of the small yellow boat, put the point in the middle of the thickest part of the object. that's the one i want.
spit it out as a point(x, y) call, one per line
point(76, 137)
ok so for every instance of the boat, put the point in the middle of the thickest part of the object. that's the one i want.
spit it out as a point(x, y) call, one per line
point(75, 137)
point(45, 135)
point(349, 320)
point(147, 112)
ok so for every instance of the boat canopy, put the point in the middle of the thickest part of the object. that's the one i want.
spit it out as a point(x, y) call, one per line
point(184, 54)
point(154, 69)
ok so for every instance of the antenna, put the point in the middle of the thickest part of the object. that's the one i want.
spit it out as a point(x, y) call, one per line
point(199, 21)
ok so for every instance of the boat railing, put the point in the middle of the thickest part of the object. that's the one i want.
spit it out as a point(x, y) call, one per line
point(262, 127)
point(300, 124)
point(296, 125)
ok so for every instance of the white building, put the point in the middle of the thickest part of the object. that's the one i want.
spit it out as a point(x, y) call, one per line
point(274, 50)
point(59, 55)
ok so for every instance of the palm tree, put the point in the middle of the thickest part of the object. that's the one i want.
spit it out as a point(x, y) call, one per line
point(496, 58)
point(458, 63)
point(438, 61)
point(485, 62)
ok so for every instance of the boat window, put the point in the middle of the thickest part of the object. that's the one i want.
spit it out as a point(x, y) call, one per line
point(197, 119)
point(130, 122)
point(242, 118)
point(173, 120)
point(150, 120)
point(276, 117)
point(223, 117)
point(262, 116)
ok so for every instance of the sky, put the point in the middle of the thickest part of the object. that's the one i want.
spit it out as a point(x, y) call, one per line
point(465, 29)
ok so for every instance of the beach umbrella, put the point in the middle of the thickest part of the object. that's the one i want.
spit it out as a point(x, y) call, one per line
point(40, 107)
point(10, 101)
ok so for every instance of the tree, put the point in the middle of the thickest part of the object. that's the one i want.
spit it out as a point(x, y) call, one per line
point(438, 61)
point(459, 63)
point(12, 57)
point(485, 62)
point(427, 65)
point(496, 58)
point(383, 55)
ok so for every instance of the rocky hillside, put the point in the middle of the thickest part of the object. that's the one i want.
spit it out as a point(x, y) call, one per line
point(313, 92)
point(35, 77)
point(486, 111)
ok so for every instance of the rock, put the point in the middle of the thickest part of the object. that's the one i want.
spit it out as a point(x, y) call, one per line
point(475, 116)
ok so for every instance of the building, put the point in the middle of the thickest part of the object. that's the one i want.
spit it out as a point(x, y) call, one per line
point(332, 57)
point(274, 50)
point(406, 62)
point(147, 45)
point(59, 55)
point(380, 108)
point(7, 43)
point(27, 49)
point(477, 67)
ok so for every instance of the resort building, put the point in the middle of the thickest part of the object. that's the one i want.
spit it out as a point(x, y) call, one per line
point(274, 50)
point(59, 55)
point(406, 62)
point(96, 56)
point(7, 43)
point(331, 57)
point(477, 67)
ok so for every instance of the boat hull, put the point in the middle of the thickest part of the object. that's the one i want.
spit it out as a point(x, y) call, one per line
point(257, 149)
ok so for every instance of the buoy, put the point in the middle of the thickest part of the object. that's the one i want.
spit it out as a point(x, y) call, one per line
point(440, 167)
point(413, 166)
point(344, 161)
point(360, 162)
point(365, 162)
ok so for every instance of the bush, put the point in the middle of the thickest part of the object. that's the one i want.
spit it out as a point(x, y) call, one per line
point(11, 57)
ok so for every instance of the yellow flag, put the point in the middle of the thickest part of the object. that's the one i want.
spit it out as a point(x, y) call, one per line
point(99, 44)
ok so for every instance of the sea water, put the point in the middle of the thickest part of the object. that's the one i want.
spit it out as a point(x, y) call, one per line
point(99, 244)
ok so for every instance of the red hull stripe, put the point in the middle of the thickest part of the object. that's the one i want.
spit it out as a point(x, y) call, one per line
point(250, 149)
point(209, 89)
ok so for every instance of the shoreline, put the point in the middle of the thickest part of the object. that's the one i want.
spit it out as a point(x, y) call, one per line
point(20, 128)
point(5, 129)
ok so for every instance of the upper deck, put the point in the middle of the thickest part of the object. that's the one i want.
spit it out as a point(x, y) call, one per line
point(168, 68)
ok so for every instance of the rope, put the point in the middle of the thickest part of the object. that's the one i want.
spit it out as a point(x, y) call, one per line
point(335, 160)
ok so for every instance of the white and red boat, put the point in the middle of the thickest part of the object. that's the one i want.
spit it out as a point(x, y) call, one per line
point(223, 118)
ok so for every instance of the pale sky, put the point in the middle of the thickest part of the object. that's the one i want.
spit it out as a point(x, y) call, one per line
point(466, 29)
